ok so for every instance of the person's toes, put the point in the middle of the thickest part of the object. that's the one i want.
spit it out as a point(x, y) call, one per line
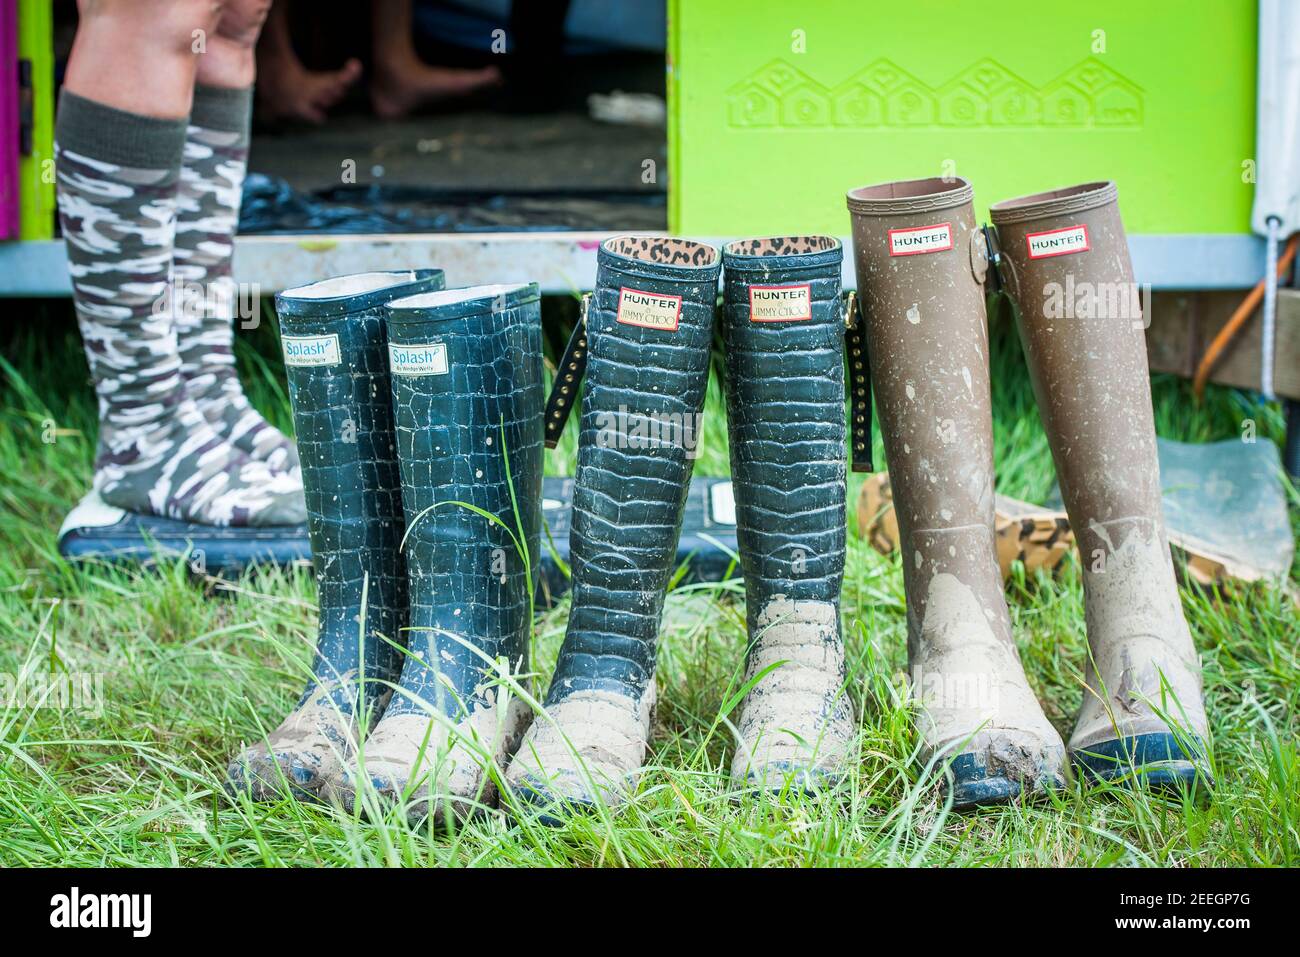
point(336, 83)
point(398, 91)
point(462, 82)
point(307, 95)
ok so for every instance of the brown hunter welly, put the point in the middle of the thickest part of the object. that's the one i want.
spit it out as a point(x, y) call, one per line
point(920, 262)
point(1065, 262)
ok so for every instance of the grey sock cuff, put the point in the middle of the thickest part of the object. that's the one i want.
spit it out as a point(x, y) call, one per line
point(115, 136)
point(228, 109)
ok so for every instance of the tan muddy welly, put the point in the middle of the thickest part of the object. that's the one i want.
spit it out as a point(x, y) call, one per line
point(437, 766)
point(1065, 262)
point(920, 264)
point(797, 718)
point(587, 748)
point(305, 751)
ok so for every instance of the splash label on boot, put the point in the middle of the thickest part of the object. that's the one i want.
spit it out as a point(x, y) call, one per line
point(1058, 242)
point(780, 303)
point(428, 359)
point(311, 350)
point(649, 310)
point(915, 240)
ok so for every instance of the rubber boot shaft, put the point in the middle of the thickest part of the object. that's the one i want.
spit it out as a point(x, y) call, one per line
point(649, 326)
point(337, 368)
point(1066, 264)
point(921, 262)
point(649, 329)
point(783, 332)
point(336, 363)
point(928, 337)
point(467, 398)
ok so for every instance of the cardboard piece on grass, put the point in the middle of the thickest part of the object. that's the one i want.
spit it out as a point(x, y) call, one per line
point(1225, 509)
point(1224, 504)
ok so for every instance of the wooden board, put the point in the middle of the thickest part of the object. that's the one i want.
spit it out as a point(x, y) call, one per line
point(1184, 323)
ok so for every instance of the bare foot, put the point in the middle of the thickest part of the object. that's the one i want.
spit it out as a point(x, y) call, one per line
point(286, 90)
point(399, 89)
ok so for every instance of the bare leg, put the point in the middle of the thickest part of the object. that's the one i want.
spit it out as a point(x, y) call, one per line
point(288, 90)
point(228, 59)
point(402, 81)
point(140, 55)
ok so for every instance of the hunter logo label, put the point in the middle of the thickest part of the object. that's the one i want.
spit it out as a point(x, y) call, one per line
point(780, 303)
point(915, 240)
point(428, 359)
point(649, 310)
point(311, 350)
point(1058, 242)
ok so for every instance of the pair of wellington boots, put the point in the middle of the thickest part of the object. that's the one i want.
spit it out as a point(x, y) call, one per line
point(921, 266)
point(418, 413)
point(644, 346)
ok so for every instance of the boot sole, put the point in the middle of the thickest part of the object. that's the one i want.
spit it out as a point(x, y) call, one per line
point(550, 810)
point(972, 787)
point(786, 778)
point(1155, 761)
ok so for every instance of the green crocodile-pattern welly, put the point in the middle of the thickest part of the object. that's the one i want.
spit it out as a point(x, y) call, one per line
point(336, 362)
point(783, 333)
point(470, 588)
point(649, 328)
point(467, 397)
point(643, 397)
point(785, 413)
point(343, 418)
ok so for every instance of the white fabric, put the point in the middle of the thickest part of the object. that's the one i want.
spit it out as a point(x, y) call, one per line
point(1277, 140)
point(353, 285)
point(442, 297)
point(91, 512)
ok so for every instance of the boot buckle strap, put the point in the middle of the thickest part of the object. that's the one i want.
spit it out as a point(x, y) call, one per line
point(991, 275)
point(859, 384)
point(568, 378)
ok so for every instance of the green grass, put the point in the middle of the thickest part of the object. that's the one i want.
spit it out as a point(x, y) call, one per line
point(193, 667)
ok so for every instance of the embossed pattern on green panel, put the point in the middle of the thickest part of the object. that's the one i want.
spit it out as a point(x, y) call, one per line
point(1019, 96)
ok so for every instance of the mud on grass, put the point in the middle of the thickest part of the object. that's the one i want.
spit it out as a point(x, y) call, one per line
point(193, 667)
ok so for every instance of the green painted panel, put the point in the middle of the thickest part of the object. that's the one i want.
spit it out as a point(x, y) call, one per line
point(35, 171)
point(778, 108)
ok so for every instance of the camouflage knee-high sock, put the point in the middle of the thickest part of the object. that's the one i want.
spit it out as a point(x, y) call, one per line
point(207, 212)
point(157, 454)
